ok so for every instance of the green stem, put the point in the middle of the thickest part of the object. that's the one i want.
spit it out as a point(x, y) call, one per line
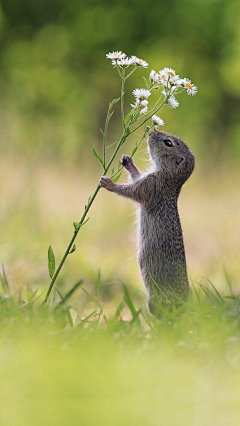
point(134, 69)
point(70, 245)
point(122, 97)
point(120, 143)
point(147, 118)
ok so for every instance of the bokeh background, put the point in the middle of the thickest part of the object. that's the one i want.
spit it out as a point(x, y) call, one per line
point(55, 88)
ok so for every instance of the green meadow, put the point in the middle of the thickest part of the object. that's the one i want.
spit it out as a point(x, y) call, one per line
point(69, 364)
point(93, 354)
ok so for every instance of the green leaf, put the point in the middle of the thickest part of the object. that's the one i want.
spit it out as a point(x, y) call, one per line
point(112, 172)
point(146, 129)
point(115, 101)
point(51, 261)
point(119, 165)
point(76, 225)
point(127, 117)
point(97, 156)
point(127, 131)
point(72, 249)
point(135, 117)
point(115, 179)
point(109, 115)
point(85, 221)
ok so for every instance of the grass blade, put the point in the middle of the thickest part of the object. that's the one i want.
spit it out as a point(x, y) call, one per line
point(69, 294)
point(97, 285)
point(130, 304)
point(4, 280)
point(228, 281)
point(216, 291)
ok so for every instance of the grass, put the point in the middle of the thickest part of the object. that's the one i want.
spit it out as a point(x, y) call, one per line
point(82, 363)
point(94, 355)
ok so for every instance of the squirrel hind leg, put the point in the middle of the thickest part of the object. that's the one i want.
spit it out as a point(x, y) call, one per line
point(157, 305)
point(154, 308)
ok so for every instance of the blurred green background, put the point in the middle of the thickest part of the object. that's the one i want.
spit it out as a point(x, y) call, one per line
point(55, 88)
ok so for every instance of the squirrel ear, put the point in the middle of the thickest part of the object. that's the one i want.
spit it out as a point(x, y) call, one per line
point(179, 160)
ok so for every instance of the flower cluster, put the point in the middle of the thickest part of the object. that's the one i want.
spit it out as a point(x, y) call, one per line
point(166, 79)
point(171, 82)
point(119, 58)
point(157, 121)
point(171, 85)
point(141, 100)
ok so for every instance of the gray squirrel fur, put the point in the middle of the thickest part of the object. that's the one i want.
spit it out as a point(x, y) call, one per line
point(161, 253)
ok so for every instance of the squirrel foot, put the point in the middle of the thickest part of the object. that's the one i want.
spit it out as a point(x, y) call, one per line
point(126, 161)
point(107, 183)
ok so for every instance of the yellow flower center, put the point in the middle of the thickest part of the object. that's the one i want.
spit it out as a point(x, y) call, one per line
point(171, 73)
point(189, 86)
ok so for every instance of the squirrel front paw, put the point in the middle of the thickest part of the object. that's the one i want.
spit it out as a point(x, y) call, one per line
point(107, 183)
point(126, 160)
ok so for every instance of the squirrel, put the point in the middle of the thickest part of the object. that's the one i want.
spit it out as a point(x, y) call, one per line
point(161, 253)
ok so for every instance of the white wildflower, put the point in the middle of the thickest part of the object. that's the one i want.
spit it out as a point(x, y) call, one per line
point(168, 75)
point(154, 76)
point(157, 120)
point(141, 93)
point(141, 103)
point(172, 102)
point(174, 80)
point(124, 62)
point(116, 55)
point(136, 105)
point(139, 62)
point(191, 88)
point(163, 77)
point(170, 72)
point(144, 110)
point(181, 81)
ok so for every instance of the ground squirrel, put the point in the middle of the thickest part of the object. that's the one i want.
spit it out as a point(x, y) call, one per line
point(161, 253)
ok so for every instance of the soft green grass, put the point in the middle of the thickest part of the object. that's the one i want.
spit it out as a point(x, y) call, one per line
point(92, 364)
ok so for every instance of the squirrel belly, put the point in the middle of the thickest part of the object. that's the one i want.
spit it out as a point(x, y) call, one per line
point(161, 253)
point(161, 258)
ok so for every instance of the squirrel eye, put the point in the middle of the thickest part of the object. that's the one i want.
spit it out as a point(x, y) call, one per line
point(168, 142)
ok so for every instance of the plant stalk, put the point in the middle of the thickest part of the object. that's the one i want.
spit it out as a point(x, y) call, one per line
point(120, 143)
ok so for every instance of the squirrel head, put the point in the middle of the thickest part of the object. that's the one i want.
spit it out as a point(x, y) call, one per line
point(171, 155)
